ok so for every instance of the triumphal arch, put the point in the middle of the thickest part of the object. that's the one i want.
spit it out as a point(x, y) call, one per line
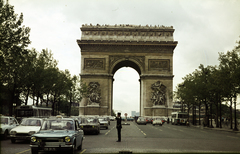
point(147, 49)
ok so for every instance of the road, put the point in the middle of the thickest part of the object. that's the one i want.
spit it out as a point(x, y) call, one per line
point(146, 139)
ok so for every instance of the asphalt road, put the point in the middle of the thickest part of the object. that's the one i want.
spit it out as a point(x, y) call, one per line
point(147, 139)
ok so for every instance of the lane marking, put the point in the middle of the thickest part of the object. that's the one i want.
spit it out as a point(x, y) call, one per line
point(23, 151)
point(83, 151)
point(109, 131)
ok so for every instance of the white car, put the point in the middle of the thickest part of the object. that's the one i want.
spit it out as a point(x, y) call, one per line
point(7, 124)
point(103, 122)
point(157, 121)
point(28, 127)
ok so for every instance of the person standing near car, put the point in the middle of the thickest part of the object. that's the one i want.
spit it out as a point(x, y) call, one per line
point(119, 126)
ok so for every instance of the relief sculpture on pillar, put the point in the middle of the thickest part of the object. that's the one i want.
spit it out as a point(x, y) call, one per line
point(158, 94)
point(94, 93)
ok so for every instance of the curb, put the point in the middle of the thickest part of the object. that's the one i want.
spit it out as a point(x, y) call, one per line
point(216, 129)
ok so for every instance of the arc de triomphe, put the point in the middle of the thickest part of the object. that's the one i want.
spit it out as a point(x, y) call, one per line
point(147, 49)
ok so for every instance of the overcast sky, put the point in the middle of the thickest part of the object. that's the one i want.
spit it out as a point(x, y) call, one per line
point(203, 28)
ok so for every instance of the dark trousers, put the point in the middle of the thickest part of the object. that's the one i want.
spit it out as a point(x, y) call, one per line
point(119, 134)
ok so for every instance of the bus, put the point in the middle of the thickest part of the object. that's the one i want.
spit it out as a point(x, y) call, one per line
point(32, 111)
point(179, 118)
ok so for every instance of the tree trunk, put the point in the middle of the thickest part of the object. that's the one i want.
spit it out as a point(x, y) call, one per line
point(231, 114)
point(199, 114)
point(217, 122)
point(220, 113)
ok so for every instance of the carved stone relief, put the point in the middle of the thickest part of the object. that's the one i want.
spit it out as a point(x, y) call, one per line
point(94, 63)
point(94, 93)
point(158, 64)
point(158, 93)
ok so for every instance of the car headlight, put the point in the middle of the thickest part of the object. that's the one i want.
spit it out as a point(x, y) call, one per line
point(31, 133)
point(92, 126)
point(67, 139)
point(33, 139)
point(13, 132)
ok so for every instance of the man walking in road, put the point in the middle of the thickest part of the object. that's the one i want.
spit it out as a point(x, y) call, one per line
point(119, 126)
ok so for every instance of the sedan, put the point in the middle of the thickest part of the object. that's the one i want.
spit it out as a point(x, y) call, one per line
point(7, 124)
point(103, 122)
point(58, 134)
point(90, 125)
point(141, 120)
point(157, 121)
point(28, 127)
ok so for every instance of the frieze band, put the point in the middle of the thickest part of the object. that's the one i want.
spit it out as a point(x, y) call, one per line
point(94, 63)
point(158, 64)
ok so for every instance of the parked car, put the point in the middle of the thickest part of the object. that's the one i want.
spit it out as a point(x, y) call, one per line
point(157, 121)
point(7, 124)
point(103, 122)
point(90, 124)
point(28, 127)
point(58, 134)
point(141, 121)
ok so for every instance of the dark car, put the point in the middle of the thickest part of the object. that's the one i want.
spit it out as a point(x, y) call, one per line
point(90, 124)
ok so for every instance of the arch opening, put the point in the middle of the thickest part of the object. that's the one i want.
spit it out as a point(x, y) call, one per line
point(126, 63)
point(126, 91)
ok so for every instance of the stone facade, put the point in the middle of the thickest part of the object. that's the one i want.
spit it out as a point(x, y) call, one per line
point(147, 49)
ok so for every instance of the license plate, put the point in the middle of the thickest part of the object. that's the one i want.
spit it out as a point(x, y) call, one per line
point(49, 149)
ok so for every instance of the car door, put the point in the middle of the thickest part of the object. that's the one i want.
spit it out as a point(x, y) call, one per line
point(13, 123)
point(78, 134)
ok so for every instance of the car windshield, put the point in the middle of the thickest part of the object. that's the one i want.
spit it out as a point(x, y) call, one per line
point(4, 121)
point(57, 125)
point(91, 120)
point(31, 122)
point(102, 119)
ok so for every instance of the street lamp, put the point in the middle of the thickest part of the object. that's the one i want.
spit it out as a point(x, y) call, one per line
point(14, 106)
point(235, 113)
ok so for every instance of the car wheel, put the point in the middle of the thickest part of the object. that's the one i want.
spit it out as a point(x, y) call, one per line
point(34, 151)
point(153, 124)
point(13, 140)
point(5, 134)
point(72, 151)
point(106, 127)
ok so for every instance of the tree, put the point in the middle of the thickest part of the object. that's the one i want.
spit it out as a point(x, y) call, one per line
point(14, 38)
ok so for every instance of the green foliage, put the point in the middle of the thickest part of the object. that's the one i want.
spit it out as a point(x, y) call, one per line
point(28, 73)
point(213, 84)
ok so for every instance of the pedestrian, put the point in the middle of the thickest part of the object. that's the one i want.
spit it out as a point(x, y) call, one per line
point(119, 126)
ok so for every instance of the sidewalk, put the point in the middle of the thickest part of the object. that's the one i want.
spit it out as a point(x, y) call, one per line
point(224, 128)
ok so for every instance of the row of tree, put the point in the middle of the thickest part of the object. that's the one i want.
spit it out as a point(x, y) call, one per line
point(28, 73)
point(213, 86)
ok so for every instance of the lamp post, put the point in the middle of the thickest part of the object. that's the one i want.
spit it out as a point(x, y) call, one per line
point(14, 107)
point(235, 113)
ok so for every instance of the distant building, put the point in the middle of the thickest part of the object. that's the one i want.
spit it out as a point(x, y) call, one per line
point(134, 113)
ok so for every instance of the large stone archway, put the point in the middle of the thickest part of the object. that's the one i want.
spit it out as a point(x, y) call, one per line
point(147, 49)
